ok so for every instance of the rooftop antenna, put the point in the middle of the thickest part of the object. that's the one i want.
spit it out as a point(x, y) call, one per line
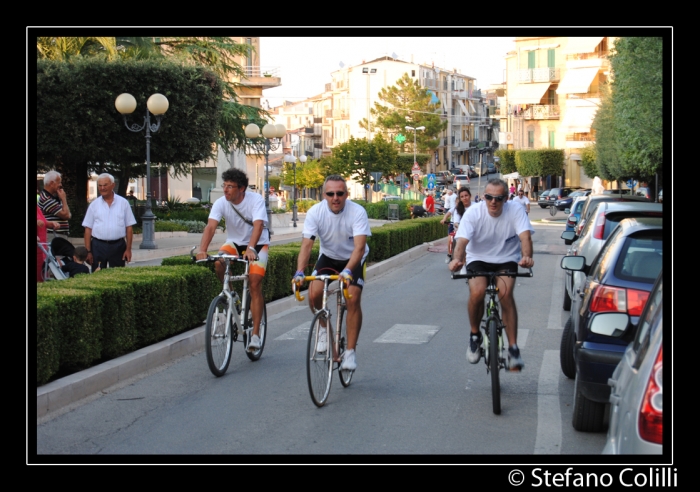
point(394, 55)
point(341, 64)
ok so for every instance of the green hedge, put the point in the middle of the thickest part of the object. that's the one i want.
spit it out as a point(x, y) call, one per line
point(93, 318)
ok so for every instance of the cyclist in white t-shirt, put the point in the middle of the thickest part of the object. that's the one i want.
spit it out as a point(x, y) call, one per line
point(342, 227)
point(496, 235)
point(246, 235)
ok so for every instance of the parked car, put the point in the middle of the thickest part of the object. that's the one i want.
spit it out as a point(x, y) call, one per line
point(604, 219)
point(574, 215)
point(491, 168)
point(443, 178)
point(644, 191)
point(594, 200)
point(472, 172)
point(567, 201)
point(554, 195)
point(618, 281)
point(661, 191)
point(617, 192)
point(636, 393)
point(461, 181)
point(543, 200)
point(457, 170)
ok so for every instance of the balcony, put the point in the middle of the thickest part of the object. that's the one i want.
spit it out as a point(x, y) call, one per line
point(266, 77)
point(309, 130)
point(542, 112)
point(526, 75)
point(341, 114)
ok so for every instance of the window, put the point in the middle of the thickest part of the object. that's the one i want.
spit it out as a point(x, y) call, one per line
point(413, 73)
point(249, 58)
point(531, 59)
point(551, 140)
point(552, 97)
point(550, 58)
point(531, 139)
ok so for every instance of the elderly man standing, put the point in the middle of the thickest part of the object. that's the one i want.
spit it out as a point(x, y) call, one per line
point(108, 226)
point(53, 203)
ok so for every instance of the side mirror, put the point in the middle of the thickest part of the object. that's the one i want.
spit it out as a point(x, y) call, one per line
point(575, 263)
point(609, 324)
point(567, 211)
point(568, 235)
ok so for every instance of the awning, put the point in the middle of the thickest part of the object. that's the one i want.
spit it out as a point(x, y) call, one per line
point(582, 45)
point(529, 93)
point(577, 80)
point(514, 175)
point(578, 119)
point(464, 108)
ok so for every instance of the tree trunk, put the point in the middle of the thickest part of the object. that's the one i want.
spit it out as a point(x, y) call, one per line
point(74, 178)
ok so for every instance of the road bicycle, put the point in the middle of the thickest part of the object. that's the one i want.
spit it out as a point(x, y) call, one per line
point(321, 364)
point(493, 349)
point(224, 325)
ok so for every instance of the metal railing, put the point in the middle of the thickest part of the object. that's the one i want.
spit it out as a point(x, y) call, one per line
point(262, 72)
point(542, 112)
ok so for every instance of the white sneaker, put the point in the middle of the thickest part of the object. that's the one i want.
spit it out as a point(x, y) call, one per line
point(349, 363)
point(254, 343)
point(322, 343)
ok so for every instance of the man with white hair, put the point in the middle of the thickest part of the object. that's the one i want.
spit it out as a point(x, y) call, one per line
point(53, 202)
point(108, 227)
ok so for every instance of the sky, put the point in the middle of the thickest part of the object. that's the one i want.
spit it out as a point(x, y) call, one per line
point(305, 63)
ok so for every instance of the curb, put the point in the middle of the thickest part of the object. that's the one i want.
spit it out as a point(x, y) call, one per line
point(70, 389)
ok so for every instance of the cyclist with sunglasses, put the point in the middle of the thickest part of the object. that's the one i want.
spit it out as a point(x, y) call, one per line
point(342, 227)
point(497, 236)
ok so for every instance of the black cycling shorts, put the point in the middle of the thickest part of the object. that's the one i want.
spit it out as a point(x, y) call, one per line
point(482, 266)
point(329, 266)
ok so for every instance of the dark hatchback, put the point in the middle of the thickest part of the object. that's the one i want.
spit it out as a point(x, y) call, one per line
point(619, 281)
point(543, 199)
point(554, 195)
point(564, 203)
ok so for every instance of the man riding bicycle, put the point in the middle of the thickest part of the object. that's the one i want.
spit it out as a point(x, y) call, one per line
point(497, 236)
point(342, 227)
point(246, 221)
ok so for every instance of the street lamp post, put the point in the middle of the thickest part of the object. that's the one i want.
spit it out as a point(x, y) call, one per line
point(415, 131)
point(270, 132)
point(293, 160)
point(158, 105)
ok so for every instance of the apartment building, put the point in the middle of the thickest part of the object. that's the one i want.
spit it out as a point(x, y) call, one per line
point(551, 97)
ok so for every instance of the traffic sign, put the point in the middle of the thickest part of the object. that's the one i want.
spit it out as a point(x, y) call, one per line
point(377, 187)
point(415, 167)
point(631, 183)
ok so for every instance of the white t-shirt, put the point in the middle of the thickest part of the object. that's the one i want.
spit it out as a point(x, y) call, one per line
point(522, 200)
point(337, 232)
point(494, 239)
point(237, 230)
point(450, 201)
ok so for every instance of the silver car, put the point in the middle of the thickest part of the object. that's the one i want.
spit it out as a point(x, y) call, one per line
point(636, 398)
point(461, 181)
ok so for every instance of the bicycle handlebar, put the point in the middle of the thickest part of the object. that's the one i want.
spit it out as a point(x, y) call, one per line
point(220, 256)
point(469, 274)
point(309, 278)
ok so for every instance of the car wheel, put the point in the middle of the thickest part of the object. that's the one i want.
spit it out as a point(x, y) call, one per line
point(566, 350)
point(567, 299)
point(589, 415)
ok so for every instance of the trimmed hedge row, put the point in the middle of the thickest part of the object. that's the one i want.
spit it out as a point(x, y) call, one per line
point(93, 318)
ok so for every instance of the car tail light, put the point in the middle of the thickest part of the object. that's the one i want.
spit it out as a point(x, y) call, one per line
point(579, 228)
point(599, 226)
point(616, 299)
point(651, 414)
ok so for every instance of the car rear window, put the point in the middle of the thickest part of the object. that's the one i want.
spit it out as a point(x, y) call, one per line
point(612, 219)
point(641, 259)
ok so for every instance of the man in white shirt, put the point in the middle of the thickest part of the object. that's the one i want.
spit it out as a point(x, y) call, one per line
point(342, 227)
point(496, 236)
point(523, 200)
point(108, 227)
point(246, 235)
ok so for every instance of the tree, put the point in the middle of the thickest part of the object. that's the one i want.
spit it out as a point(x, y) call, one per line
point(588, 161)
point(607, 145)
point(408, 104)
point(507, 157)
point(359, 158)
point(637, 94)
point(79, 130)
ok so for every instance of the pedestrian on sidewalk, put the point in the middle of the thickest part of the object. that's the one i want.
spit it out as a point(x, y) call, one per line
point(108, 226)
point(53, 202)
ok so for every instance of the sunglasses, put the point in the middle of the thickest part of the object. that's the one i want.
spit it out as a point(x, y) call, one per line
point(498, 198)
point(335, 193)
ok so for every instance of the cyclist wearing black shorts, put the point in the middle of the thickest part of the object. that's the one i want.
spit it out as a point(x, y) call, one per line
point(342, 227)
point(497, 235)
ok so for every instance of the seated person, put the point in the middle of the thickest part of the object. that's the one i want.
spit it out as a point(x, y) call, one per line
point(77, 265)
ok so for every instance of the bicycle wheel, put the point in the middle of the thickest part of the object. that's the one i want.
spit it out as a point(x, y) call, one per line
point(345, 376)
point(217, 337)
point(319, 366)
point(494, 349)
point(248, 323)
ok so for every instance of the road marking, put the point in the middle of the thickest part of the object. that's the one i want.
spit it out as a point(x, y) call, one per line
point(548, 440)
point(301, 332)
point(413, 334)
point(555, 307)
